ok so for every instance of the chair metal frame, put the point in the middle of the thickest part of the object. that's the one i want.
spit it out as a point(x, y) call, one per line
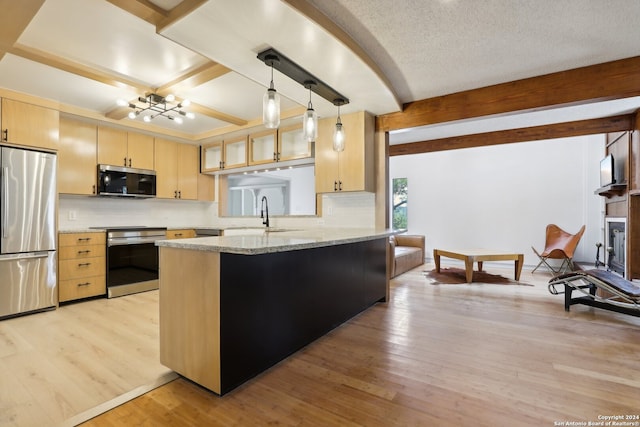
point(620, 295)
point(558, 245)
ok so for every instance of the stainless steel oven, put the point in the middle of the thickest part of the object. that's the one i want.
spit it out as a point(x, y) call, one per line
point(132, 259)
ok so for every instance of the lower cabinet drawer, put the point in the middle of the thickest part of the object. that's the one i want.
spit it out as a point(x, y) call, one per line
point(81, 288)
point(85, 267)
point(81, 251)
point(181, 234)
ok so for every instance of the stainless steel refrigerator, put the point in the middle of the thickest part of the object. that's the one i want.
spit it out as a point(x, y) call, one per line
point(27, 231)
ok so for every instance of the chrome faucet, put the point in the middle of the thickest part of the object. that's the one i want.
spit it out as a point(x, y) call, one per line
point(264, 209)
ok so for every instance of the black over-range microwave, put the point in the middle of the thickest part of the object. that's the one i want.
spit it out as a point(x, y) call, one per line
point(126, 182)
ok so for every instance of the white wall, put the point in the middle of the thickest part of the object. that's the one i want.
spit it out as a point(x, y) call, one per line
point(502, 197)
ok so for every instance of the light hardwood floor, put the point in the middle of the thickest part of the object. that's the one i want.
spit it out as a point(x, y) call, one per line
point(64, 366)
point(435, 355)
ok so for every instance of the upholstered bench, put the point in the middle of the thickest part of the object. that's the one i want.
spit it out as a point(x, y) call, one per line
point(406, 252)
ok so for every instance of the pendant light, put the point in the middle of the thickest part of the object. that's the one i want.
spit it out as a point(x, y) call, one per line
point(338, 132)
point(310, 118)
point(271, 99)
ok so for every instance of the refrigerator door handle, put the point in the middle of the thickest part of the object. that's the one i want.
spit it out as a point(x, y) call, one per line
point(30, 255)
point(5, 192)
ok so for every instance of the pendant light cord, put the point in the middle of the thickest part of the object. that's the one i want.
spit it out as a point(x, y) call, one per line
point(271, 85)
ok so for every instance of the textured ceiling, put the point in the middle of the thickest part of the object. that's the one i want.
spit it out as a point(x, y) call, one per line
point(400, 51)
point(437, 47)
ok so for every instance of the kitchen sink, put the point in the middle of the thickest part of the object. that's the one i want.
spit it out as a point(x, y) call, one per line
point(248, 231)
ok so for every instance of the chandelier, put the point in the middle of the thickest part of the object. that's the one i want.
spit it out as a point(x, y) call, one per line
point(154, 105)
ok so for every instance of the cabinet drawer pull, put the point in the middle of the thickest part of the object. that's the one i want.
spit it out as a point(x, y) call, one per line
point(84, 252)
point(84, 239)
point(84, 264)
point(178, 234)
point(84, 284)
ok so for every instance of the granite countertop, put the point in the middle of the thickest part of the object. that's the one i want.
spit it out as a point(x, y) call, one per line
point(103, 229)
point(277, 241)
point(81, 230)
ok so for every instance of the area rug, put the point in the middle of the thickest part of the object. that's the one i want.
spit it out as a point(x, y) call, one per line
point(457, 276)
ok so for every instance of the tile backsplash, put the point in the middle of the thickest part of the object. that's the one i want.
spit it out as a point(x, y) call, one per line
point(352, 210)
point(82, 212)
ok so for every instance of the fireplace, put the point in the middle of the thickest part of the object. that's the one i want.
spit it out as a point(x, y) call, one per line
point(616, 245)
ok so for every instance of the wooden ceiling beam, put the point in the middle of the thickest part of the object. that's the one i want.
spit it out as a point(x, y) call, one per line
point(16, 15)
point(179, 12)
point(197, 76)
point(194, 78)
point(144, 10)
point(610, 80)
point(63, 64)
point(534, 133)
point(155, 15)
point(215, 114)
point(118, 113)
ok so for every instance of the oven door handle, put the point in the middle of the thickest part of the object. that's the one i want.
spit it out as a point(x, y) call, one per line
point(121, 241)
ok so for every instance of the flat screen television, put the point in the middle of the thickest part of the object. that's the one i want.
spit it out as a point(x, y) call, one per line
point(607, 176)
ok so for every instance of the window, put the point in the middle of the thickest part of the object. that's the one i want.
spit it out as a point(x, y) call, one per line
point(290, 191)
point(399, 201)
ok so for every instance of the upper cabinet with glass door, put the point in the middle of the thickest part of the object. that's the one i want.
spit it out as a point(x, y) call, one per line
point(271, 146)
point(235, 153)
point(211, 155)
point(259, 148)
point(227, 154)
point(263, 147)
point(292, 145)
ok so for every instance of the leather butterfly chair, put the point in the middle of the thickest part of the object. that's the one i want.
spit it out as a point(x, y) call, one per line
point(558, 245)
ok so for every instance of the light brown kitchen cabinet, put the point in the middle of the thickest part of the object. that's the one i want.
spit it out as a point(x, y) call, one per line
point(81, 265)
point(270, 146)
point(292, 145)
point(263, 147)
point(77, 157)
point(212, 157)
point(140, 150)
point(228, 154)
point(177, 170)
point(29, 125)
point(188, 171)
point(206, 187)
point(121, 148)
point(353, 168)
point(181, 234)
point(235, 152)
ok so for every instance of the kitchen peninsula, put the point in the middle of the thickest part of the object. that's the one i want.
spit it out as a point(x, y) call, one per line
point(231, 307)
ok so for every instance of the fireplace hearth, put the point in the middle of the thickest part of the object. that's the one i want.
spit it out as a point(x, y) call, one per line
point(615, 245)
